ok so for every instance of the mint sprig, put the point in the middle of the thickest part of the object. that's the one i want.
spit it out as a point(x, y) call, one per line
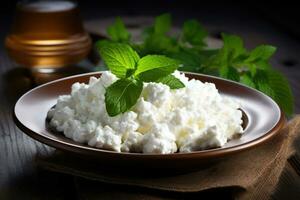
point(156, 39)
point(189, 47)
point(132, 72)
point(194, 33)
point(277, 87)
point(118, 32)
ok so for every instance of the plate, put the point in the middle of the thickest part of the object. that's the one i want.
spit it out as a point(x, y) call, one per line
point(262, 119)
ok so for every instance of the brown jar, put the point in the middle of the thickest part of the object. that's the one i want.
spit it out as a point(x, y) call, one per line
point(47, 35)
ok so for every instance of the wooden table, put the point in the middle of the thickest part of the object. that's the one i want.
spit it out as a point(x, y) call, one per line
point(20, 178)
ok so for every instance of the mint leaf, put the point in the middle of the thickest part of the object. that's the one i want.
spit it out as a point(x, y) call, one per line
point(261, 53)
point(233, 51)
point(171, 81)
point(146, 32)
point(118, 32)
point(275, 85)
point(233, 46)
point(152, 67)
point(233, 42)
point(261, 81)
point(158, 44)
point(189, 59)
point(194, 33)
point(162, 23)
point(258, 58)
point(122, 95)
point(229, 72)
point(266, 88)
point(247, 80)
point(156, 41)
point(119, 58)
point(282, 91)
point(263, 64)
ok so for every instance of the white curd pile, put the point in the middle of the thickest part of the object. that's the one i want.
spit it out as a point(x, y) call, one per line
point(163, 121)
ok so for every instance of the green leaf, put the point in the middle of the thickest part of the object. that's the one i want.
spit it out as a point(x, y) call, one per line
point(118, 57)
point(233, 41)
point(263, 64)
point(189, 59)
point(118, 32)
point(232, 52)
point(171, 81)
point(261, 81)
point(282, 91)
point(275, 85)
point(230, 73)
point(262, 52)
point(208, 52)
point(194, 33)
point(247, 80)
point(162, 23)
point(146, 32)
point(122, 95)
point(266, 88)
point(158, 44)
point(155, 39)
point(252, 68)
point(233, 46)
point(152, 67)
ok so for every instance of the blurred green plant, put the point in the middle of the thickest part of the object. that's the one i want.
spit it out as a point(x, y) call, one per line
point(233, 61)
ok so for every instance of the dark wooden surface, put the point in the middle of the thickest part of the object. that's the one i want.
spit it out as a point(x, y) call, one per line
point(21, 179)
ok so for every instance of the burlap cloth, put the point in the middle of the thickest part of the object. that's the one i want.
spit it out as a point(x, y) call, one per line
point(252, 174)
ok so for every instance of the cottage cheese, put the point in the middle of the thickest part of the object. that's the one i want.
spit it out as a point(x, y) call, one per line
point(163, 121)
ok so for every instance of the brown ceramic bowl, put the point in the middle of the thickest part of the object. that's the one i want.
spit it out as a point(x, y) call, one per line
point(262, 120)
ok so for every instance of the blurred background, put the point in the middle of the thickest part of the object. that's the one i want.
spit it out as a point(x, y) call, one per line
point(283, 14)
